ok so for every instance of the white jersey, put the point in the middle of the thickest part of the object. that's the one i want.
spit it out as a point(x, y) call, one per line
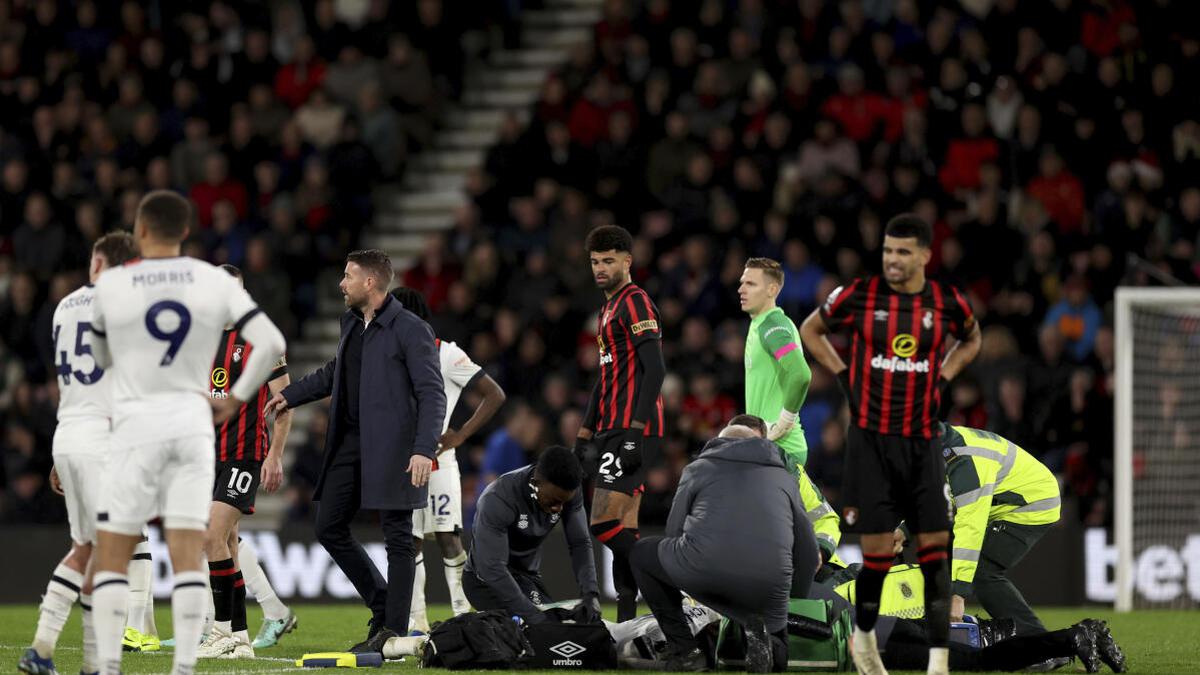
point(84, 389)
point(162, 319)
point(457, 372)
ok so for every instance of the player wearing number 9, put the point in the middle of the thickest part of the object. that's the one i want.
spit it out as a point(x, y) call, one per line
point(157, 323)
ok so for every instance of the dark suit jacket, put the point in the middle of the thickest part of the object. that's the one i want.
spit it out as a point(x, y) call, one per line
point(402, 403)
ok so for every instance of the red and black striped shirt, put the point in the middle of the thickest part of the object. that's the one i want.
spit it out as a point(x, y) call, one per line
point(627, 319)
point(899, 341)
point(242, 437)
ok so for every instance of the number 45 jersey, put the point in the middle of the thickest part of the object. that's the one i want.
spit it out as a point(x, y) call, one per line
point(83, 390)
point(161, 320)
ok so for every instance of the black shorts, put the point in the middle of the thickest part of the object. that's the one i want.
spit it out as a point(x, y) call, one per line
point(237, 483)
point(483, 598)
point(893, 478)
point(608, 474)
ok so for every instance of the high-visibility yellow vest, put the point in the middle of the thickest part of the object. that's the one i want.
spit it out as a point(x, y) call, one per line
point(991, 479)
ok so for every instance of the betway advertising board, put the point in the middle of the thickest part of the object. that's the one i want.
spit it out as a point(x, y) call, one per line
point(1070, 566)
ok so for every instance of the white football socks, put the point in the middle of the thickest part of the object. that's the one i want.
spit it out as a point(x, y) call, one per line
point(187, 608)
point(110, 598)
point(454, 574)
point(61, 592)
point(418, 619)
point(141, 598)
point(89, 635)
point(258, 584)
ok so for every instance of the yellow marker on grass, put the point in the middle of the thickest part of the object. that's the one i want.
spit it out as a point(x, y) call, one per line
point(341, 660)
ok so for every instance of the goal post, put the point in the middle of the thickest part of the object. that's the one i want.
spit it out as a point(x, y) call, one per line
point(1156, 433)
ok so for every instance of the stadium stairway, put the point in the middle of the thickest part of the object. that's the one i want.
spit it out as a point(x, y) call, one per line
point(506, 81)
point(424, 202)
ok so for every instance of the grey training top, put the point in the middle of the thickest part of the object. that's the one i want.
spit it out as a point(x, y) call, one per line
point(508, 532)
point(737, 518)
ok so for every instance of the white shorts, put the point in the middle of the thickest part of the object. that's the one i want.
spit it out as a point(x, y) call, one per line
point(444, 511)
point(81, 452)
point(171, 478)
point(80, 477)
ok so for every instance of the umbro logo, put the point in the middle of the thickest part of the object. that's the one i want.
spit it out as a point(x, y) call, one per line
point(881, 315)
point(568, 649)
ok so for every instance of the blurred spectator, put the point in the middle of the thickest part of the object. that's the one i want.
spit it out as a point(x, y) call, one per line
point(320, 119)
point(103, 102)
point(712, 131)
point(40, 242)
point(296, 81)
point(1076, 318)
point(217, 186)
point(1059, 191)
point(513, 445)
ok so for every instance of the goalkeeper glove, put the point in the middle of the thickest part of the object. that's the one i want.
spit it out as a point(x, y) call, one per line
point(782, 426)
point(631, 450)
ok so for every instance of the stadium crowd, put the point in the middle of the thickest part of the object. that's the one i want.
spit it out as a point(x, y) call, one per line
point(275, 119)
point(1045, 141)
point(1054, 146)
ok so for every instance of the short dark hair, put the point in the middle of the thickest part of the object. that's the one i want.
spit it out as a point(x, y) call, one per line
point(232, 270)
point(375, 262)
point(117, 248)
point(750, 421)
point(558, 465)
point(910, 226)
point(609, 238)
point(771, 269)
point(165, 214)
point(412, 301)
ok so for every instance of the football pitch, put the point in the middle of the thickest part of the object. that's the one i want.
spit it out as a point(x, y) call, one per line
point(1154, 642)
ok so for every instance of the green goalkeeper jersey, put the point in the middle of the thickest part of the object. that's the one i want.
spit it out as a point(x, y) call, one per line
point(777, 376)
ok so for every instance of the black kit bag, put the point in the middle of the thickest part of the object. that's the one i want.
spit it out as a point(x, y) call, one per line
point(571, 646)
point(475, 641)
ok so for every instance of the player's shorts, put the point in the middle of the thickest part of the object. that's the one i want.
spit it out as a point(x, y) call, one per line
point(893, 478)
point(171, 479)
point(81, 453)
point(443, 512)
point(237, 484)
point(608, 473)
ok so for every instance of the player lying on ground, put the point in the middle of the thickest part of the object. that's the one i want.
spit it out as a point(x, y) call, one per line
point(442, 517)
point(1025, 481)
point(905, 643)
point(642, 645)
point(81, 451)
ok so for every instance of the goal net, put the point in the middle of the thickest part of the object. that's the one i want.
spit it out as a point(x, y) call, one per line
point(1157, 450)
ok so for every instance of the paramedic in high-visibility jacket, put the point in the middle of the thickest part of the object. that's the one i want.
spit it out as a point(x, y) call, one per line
point(1004, 501)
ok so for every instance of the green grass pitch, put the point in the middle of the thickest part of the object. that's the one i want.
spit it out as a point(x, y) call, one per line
point(1155, 642)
